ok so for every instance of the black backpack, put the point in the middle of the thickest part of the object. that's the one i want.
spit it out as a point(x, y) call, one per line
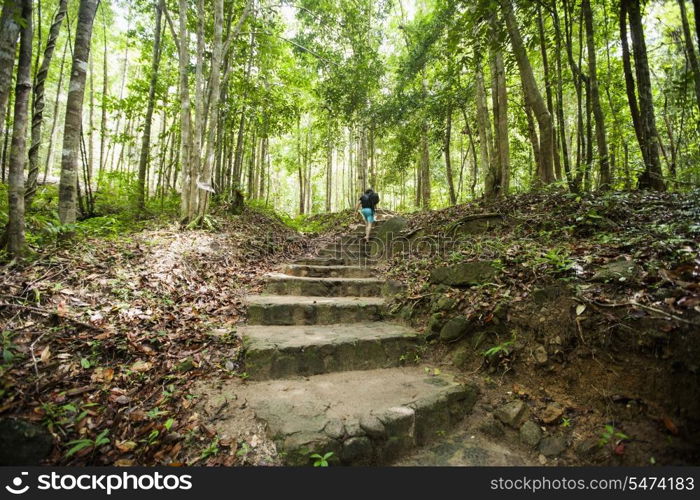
point(369, 200)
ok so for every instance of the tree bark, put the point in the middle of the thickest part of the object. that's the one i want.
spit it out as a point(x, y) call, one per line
point(601, 139)
point(67, 194)
point(448, 159)
point(38, 103)
point(690, 49)
point(146, 139)
point(532, 94)
point(651, 177)
point(9, 32)
point(484, 126)
point(18, 151)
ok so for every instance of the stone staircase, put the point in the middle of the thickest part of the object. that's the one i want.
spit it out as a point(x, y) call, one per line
point(325, 364)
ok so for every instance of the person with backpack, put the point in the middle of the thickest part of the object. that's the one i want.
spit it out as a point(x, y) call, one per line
point(366, 205)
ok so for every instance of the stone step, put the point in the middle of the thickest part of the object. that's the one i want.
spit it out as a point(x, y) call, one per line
point(311, 271)
point(282, 284)
point(349, 254)
point(336, 261)
point(298, 310)
point(288, 351)
point(366, 417)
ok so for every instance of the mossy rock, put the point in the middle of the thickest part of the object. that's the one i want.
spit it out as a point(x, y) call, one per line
point(464, 274)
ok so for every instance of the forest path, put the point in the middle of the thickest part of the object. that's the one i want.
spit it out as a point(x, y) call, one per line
point(328, 371)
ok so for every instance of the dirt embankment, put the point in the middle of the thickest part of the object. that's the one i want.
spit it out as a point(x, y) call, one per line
point(586, 308)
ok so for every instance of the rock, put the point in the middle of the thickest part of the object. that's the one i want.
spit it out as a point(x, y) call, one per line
point(23, 443)
point(372, 426)
point(444, 304)
point(540, 355)
point(435, 323)
point(587, 448)
point(530, 433)
point(552, 413)
point(478, 224)
point(492, 428)
point(352, 428)
point(357, 449)
point(454, 329)
point(464, 274)
point(461, 355)
point(512, 413)
point(616, 271)
point(335, 429)
point(388, 232)
point(552, 446)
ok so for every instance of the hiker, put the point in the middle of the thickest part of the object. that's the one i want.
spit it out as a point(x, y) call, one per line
point(365, 206)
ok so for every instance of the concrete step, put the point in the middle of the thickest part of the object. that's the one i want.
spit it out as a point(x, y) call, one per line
point(288, 351)
point(366, 417)
point(282, 284)
point(298, 310)
point(335, 260)
point(311, 271)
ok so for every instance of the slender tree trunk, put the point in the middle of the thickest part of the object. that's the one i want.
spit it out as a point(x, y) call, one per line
point(484, 127)
point(67, 195)
point(690, 49)
point(38, 103)
point(9, 32)
point(601, 139)
point(18, 151)
point(103, 104)
point(146, 139)
point(502, 149)
point(448, 159)
point(651, 177)
point(548, 90)
point(532, 93)
point(560, 100)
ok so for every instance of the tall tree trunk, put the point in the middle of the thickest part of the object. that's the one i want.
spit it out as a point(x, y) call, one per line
point(601, 139)
point(500, 111)
point(560, 100)
point(690, 49)
point(67, 194)
point(54, 120)
point(532, 93)
point(651, 177)
point(448, 159)
point(103, 104)
point(9, 32)
point(18, 151)
point(146, 139)
point(329, 165)
point(548, 89)
point(484, 127)
point(38, 104)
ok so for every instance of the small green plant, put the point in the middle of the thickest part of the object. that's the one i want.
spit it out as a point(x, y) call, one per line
point(81, 444)
point(321, 460)
point(503, 348)
point(9, 349)
point(609, 434)
point(211, 450)
point(565, 422)
point(559, 259)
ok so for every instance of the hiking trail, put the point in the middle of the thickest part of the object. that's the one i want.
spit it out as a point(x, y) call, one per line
point(327, 371)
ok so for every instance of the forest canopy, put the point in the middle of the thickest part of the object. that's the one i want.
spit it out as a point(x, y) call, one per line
point(134, 108)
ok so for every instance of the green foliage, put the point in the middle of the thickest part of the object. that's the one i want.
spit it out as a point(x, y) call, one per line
point(610, 434)
point(321, 460)
point(80, 444)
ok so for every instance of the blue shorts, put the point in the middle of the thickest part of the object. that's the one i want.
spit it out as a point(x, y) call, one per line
point(368, 214)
